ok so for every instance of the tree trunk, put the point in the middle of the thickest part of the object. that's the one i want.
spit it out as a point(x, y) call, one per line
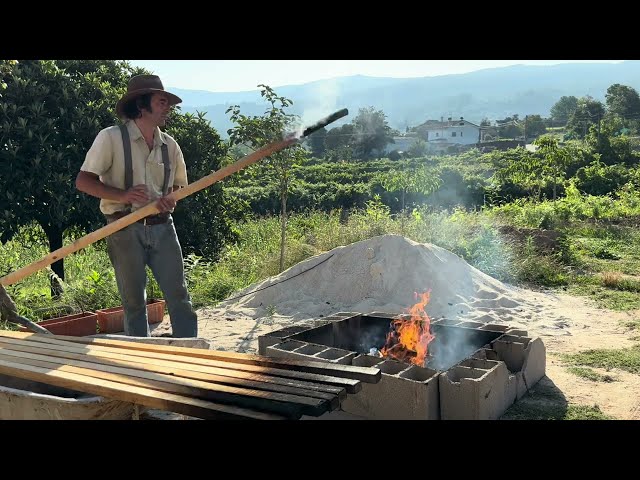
point(283, 226)
point(54, 236)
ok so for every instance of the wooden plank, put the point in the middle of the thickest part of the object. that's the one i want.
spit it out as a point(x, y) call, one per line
point(190, 363)
point(227, 377)
point(364, 374)
point(283, 404)
point(194, 407)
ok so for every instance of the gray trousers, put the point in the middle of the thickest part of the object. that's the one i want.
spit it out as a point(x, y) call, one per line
point(157, 246)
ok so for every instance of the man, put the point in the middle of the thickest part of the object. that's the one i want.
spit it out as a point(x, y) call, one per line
point(124, 186)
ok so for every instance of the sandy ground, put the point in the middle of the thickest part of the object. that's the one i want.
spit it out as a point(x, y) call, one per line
point(380, 274)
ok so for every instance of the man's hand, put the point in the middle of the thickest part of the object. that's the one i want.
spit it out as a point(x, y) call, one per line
point(136, 194)
point(166, 203)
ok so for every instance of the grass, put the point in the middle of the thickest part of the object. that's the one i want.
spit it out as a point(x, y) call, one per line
point(533, 411)
point(589, 374)
point(627, 359)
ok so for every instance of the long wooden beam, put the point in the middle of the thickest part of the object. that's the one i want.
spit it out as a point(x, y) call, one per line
point(241, 380)
point(363, 374)
point(194, 407)
point(178, 361)
point(283, 404)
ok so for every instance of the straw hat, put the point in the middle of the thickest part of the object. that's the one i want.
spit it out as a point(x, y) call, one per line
point(141, 84)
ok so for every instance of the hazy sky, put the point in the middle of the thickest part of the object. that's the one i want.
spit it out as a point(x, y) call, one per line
point(240, 75)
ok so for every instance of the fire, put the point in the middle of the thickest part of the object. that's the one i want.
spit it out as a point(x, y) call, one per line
point(408, 339)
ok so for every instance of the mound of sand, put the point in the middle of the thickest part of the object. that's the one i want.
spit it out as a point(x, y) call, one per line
point(380, 274)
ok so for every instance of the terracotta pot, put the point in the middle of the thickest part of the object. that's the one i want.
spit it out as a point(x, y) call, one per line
point(76, 325)
point(111, 320)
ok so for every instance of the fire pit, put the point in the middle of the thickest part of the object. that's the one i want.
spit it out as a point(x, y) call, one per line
point(469, 370)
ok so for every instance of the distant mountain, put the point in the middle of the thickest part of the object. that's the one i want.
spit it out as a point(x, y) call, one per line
point(492, 93)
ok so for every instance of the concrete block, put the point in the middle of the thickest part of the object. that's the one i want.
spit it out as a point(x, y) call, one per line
point(278, 336)
point(533, 367)
point(310, 351)
point(476, 389)
point(404, 392)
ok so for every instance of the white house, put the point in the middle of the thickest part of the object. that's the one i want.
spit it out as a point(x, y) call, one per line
point(443, 134)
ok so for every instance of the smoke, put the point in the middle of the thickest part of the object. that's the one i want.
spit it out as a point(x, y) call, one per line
point(451, 345)
point(324, 101)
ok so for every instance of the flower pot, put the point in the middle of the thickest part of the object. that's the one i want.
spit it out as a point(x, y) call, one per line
point(76, 325)
point(111, 320)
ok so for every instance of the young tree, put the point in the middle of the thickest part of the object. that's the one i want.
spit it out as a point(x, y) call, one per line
point(554, 159)
point(422, 180)
point(258, 131)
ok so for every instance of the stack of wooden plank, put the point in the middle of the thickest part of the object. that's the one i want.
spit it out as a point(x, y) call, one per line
point(200, 383)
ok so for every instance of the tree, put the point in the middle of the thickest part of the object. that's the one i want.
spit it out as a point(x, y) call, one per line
point(622, 101)
point(342, 136)
point(50, 112)
point(589, 112)
point(417, 148)
point(554, 159)
point(371, 131)
point(562, 110)
point(259, 131)
point(535, 126)
point(509, 127)
point(422, 180)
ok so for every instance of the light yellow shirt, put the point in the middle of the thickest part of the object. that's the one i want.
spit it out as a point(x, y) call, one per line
point(106, 159)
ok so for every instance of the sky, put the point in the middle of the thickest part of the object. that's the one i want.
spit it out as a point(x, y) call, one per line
point(242, 75)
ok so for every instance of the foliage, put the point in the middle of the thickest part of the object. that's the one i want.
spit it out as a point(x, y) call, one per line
point(554, 160)
point(588, 112)
point(622, 101)
point(50, 112)
point(372, 132)
point(259, 131)
point(563, 109)
point(600, 179)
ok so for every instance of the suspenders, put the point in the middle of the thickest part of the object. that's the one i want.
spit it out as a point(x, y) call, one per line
point(128, 167)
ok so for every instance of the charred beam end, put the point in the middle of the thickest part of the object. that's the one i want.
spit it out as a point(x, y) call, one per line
point(325, 121)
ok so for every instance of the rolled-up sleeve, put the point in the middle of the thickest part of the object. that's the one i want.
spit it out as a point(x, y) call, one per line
point(180, 179)
point(99, 158)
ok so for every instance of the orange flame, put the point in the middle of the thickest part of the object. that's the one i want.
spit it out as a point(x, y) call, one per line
point(409, 338)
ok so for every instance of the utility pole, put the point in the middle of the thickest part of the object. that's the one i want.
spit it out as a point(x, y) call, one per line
point(599, 122)
point(525, 130)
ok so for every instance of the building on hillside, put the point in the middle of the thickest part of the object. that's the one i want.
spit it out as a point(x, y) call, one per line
point(440, 135)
